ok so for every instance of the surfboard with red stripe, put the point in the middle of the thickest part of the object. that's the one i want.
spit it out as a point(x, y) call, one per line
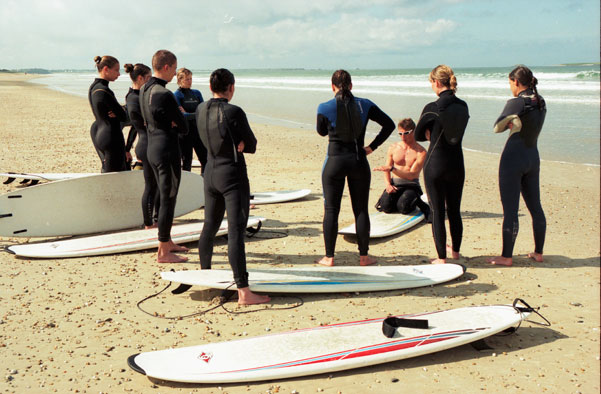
point(324, 349)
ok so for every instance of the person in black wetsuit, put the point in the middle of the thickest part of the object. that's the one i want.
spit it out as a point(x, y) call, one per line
point(225, 132)
point(188, 100)
point(140, 74)
point(164, 122)
point(443, 123)
point(106, 133)
point(344, 119)
point(519, 169)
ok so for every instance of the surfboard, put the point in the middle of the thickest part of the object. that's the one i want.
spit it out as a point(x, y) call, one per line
point(387, 224)
point(91, 204)
point(324, 279)
point(324, 349)
point(34, 178)
point(279, 196)
point(112, 243)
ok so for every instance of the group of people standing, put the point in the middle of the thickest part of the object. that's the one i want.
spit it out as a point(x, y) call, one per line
point(442, 123)
point(170, 125)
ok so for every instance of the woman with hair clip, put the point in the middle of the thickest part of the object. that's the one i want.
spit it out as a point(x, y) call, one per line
point(106, 133)
point(188, 100)
point(519, 169)
point(344, 119)
point(443, 123)
point(140, 74)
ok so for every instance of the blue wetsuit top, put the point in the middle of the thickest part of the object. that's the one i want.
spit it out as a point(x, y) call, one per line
point(340, 143)
point(188, 99)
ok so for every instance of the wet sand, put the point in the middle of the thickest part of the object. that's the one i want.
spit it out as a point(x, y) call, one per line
point(69, 325)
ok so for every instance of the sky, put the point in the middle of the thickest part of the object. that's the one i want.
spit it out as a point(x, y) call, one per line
point(315, 34)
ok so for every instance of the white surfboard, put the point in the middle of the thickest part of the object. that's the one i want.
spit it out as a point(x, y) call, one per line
point(324, 349)
point(91, 204)
point(121, 242)
point(276, 197)
point(324, 279)
point(46, 177)
point(387, 224)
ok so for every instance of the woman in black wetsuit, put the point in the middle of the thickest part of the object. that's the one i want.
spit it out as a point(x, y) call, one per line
point(108, 113)
point(519, 169)
point(344, 119)
point(140, 74)
point(188, 100)
point(225, 132)
point(443, 123)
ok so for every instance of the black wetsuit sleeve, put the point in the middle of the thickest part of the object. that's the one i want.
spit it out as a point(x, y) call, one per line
point(378, 116)
point(243, 131)
point(131, 137)
point(426, 121)
point(322, 125)
point(168, 109)
point(514, 106)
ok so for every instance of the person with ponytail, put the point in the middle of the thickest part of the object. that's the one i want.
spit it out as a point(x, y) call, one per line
point(519, 168)
point(140, 74)
point(344, 119)
point(106, 133)
point(443, 123)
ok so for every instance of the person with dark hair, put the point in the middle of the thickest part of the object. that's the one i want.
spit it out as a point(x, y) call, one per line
point(140, 74)
point(106, 133)
point(344, 119)
point(519, 168)
point(188, 100)
point(404, 162)
point(225, 131)
point(164, 123)
point(443, 123)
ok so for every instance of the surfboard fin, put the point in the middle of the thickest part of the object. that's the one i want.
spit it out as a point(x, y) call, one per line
point(481, 345)
point(132, 364)
point(9, 180)
point(182, 288)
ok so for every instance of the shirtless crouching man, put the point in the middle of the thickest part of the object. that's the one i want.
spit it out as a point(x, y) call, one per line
point(404, 162)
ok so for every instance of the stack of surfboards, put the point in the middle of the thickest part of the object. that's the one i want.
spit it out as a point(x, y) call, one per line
point(325, 349)
point(86, 205)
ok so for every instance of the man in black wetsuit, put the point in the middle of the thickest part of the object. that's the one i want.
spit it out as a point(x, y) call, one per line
point(225, 131)
point(164, 122)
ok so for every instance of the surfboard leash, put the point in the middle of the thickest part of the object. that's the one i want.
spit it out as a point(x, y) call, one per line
point(526, 309)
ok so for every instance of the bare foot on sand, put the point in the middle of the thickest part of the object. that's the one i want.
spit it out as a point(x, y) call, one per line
point(366, 260)
point(325, 260)
point(153, 226)
point(538, 257)
point(500, 260)
point(438, 261)
point(454, 255)
point(170, 258)
point(247, 297)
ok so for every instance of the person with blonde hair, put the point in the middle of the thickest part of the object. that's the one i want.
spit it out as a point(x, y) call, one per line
point(443, 123)
point(106, 133)
point(519, 169)
point(188, 100)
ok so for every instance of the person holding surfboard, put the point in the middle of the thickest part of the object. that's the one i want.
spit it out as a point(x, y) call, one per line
point(519, 169)
point(443, 123)
point(225, 131)
point(164, 123)
point(140, 74)
point(188, 100)
point(106, 133)
point(344, 119)
point(404, 162)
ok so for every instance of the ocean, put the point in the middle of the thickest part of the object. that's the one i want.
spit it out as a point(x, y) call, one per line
point(289, 97)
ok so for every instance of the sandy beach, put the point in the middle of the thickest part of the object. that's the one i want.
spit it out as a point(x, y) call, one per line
point(69, 325)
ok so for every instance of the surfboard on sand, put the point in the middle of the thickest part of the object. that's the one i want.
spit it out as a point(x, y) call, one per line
point(387, 224)
point(91, 204)
point(279, 196)
point(34, 178)
point(121, 242)
point(324, 279)
point(326, 349)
